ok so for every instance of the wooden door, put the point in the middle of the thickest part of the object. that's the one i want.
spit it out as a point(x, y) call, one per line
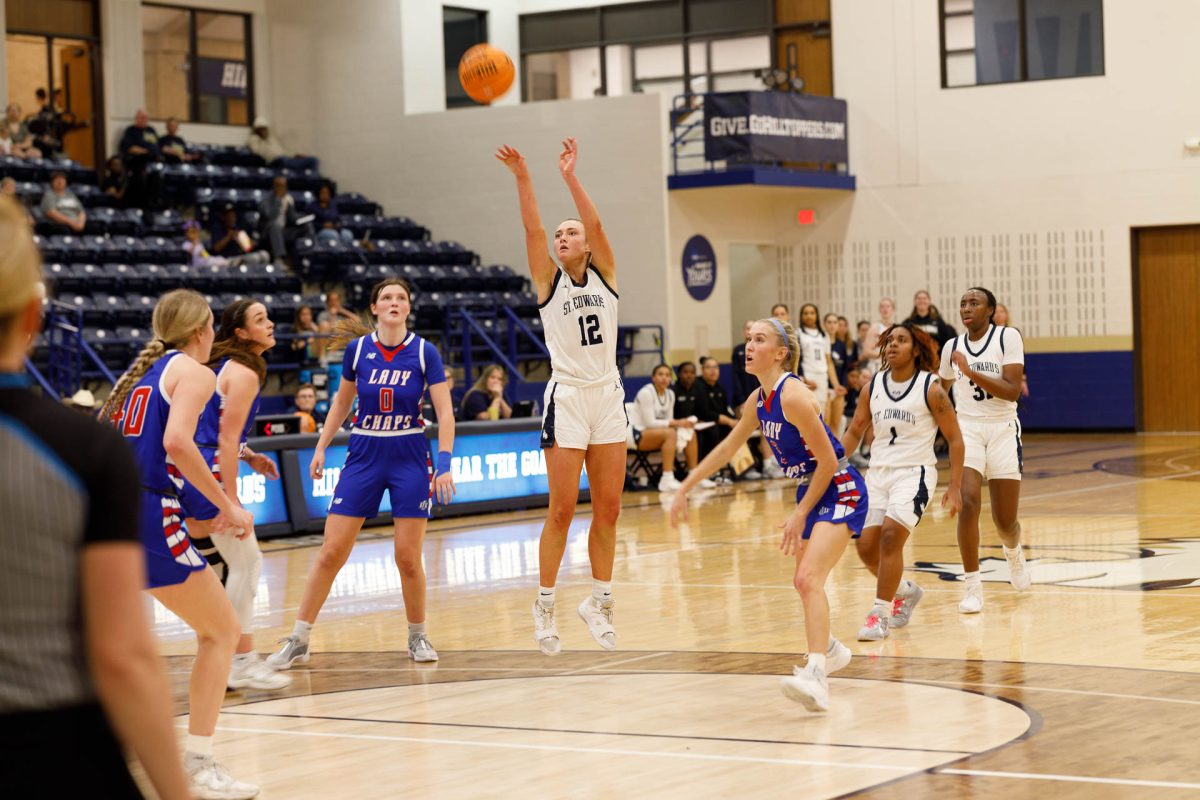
point(76, 62)
point(810, 53)
point(1167, 311)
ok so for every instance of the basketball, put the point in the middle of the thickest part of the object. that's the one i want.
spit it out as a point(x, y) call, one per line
point(485, 72)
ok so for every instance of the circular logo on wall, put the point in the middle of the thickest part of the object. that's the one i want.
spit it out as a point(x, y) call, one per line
point(699, 267)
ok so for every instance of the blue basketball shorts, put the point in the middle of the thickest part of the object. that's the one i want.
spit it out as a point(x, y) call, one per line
point(400, 465)
point(195, 504)
point(170, 557)
point(844, 501)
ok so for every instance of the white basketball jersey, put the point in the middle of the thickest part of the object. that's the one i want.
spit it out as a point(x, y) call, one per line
point(814, 348)
point(1000, 346)
point(580, 324)
point(903, 422)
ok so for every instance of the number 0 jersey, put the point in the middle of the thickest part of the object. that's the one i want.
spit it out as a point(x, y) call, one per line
point(580, 324)
point(903, 422)
point(391, 382)
point(1000, 346)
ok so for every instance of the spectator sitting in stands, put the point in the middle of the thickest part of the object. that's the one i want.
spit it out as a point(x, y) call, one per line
point(308, 336)
point(485, 400)
point(279, 219)
point(268, 148)
point(334, 310)
point(173, 147)
point(652, 426)
point(45, 126)
point(228, 238)
point(712, 405)
point(61, 207)
point(331, 356)
point(202, 258)
point(327, 220)
point(116, 181)
point(6, 142)
point(926, 316)
point(686, 391)
point(18, 129)
point(139, 149)
point(306, 407)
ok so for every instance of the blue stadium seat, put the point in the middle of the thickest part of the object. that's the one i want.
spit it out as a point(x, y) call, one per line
point(165, 223)
point(355, 203)
point(93, 278)
point(455, 253)
point(61, 277)
point(108, 347)
point(140, 307)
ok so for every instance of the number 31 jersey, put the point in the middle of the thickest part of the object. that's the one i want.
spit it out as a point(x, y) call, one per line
point(580, 324)
point(999, 347)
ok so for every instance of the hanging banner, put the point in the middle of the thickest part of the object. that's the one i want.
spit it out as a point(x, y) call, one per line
point(774, 126)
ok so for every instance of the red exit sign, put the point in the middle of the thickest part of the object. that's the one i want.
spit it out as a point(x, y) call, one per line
point(806, 216)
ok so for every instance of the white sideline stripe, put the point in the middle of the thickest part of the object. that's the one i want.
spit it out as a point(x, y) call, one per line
point(611, 664)
point(1023, 688)
point(1035, 776)
point(1063, 591)
point(795, 762)
point(1107, 486)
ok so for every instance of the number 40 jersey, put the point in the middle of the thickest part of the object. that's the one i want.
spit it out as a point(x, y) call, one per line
point(999, 347)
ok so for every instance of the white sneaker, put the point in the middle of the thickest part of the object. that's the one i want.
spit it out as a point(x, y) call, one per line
point(772, 471)
point(752, 475)
point(705, 483)
point(598, 617)
point(807, 686)
point(902, 607)
point(254, 673)
point(209, 780)
point(668, 483)
point(836, 657)
point(420, 650)
point(291, 651)
point(972, 602)
point(1018, 570)
point(875, 629)
point(545, 631)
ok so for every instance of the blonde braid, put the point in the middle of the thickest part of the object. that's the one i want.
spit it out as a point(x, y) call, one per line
point(151, 353)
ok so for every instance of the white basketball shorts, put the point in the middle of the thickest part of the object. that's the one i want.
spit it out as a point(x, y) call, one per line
point(993, 449)
point(900, 493)
point(578, 416)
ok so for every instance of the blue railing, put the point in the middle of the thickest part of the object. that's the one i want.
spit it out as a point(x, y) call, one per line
point(687, 117)
point(70, 359)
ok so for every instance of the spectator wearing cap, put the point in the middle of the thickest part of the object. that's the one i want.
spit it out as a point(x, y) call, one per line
point(228, 237)
point(173, 147)
point(200, 257)
point(264, 145)
point(61, 207)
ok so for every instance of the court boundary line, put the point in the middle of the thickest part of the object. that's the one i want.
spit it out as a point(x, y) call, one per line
point(673, 736)
point(1047, 776)
point(912, 770)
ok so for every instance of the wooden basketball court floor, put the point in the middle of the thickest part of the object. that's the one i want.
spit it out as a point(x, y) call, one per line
point(1086, 686)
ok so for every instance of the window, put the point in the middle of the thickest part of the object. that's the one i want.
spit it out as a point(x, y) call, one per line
point(197, 65)
point(562, 75)
point(462, 29)
point(1005, 41)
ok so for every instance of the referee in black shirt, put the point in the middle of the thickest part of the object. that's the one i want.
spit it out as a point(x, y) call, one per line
point(79, 672)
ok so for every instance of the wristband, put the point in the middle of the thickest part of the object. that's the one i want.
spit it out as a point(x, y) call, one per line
point(443, 462)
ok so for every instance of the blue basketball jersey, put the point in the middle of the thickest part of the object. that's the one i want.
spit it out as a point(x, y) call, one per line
point(208, 429)
point(143, 421)
point(390, 382)
point(785, 440)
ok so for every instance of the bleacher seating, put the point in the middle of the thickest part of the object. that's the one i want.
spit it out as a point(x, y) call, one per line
point(126, 258)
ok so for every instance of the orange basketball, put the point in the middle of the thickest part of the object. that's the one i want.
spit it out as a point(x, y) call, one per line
point(485, 72)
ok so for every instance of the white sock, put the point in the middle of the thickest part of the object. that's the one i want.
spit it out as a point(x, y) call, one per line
point(833, 643)
point(971, 577)
point(301, 630)
point(546, 596)
point(602, 591)
point(816, 661)
point(199, 746)
point(905, 588)
point(415, 628)
point(882, 608)
point(1013, 551)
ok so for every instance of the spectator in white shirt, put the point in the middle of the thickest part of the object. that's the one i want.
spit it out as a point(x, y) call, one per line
point(652, 426)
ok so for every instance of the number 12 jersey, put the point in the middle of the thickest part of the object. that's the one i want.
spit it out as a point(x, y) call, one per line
point(580, 323)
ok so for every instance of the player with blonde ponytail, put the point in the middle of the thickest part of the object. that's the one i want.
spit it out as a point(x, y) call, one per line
point(156, 405)
point(831, 497)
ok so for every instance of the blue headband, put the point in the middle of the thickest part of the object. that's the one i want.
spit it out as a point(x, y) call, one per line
point(782, 334)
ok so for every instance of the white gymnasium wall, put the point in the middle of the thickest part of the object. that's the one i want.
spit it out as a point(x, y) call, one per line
point(124, 79)
point(1030, 189)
